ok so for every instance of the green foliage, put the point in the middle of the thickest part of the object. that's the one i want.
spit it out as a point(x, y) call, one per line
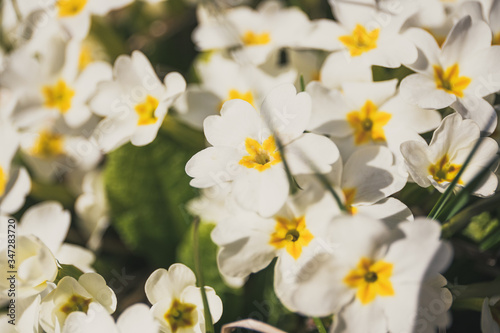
point(67, 270)
point(480, 227)
point(147, 190)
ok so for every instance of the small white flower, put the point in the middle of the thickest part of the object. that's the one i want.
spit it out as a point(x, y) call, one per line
point(71, 295)
point(134, 104)
point(459, 74)
point(245, 156)
point(439, 163)
point(136, 318)
point(367, 113)
point(373, 280)
point(177, 302)
point(258, 33)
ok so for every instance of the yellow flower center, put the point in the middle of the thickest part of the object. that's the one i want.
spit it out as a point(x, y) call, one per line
point(76, 303)
point(235, 94)
point(85, 57)
point(260, 157)
point(368, 123)
point(450, 81)
point(48, 144)
point(3, 181)
point(350, 194)
point(443, 171)
point(70, 7)
point(371, 279)
point(291, 235)
point(360, 41)
point(496, 39)
point(180, 315)
point(146, 111)
point(252, 38)
point(58, 96)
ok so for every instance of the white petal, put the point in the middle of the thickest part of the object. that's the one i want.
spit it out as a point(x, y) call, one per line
point(137, 318)
point(311, 153)
point(417, 161)
point(421, 89)
point(390, 210)
point(96, 286)
point(49, 222)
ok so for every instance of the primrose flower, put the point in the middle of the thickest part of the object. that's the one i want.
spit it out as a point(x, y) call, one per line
point(73, 15)
point(136, 318)
point(367, 113)
point(257, 33)
point(134, 104)
point(373, 279)
point(223, 79)
point(248, 242)
point(459, 74)
point(177, 302)
point(363, 34)
point(245, 155)
point(73, 295)
point(439, 163)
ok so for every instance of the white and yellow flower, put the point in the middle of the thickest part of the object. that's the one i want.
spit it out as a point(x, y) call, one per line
point(367, 113)
point(439, 163)
point(459, 74)
point(244, 154)
point(73, 295)
point(177, 302)
point(373, 279)
point(134, 104)
point(256, 33)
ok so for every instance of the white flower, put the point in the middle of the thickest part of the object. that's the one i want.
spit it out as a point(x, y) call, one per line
point(49, 222)
point(134, 104)
point(35, 264)
point(459, 74)
point(439, 163)
point(374, 276)
point(72, 15)
point(363, 34)
point(223, 79)
point(136, 318)
point(177, 302)
point(367, 113)
point(245, 155)
point(53, 150)
point(434, 305)
point(248, 242)
point(92, 208)
point(257, 33)
point(71, 295)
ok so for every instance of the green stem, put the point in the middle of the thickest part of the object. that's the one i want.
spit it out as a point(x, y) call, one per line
point(209, 326)
point(302, 84)
point(319, 325)
point(474, 304)
point(483, 289)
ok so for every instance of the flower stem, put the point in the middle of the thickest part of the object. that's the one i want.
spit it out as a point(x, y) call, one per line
point(319, 325)
point(209, 326)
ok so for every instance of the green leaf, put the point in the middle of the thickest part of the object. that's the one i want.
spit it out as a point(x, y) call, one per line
point(480, 227)
point(67, 270)
point(147, 190)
